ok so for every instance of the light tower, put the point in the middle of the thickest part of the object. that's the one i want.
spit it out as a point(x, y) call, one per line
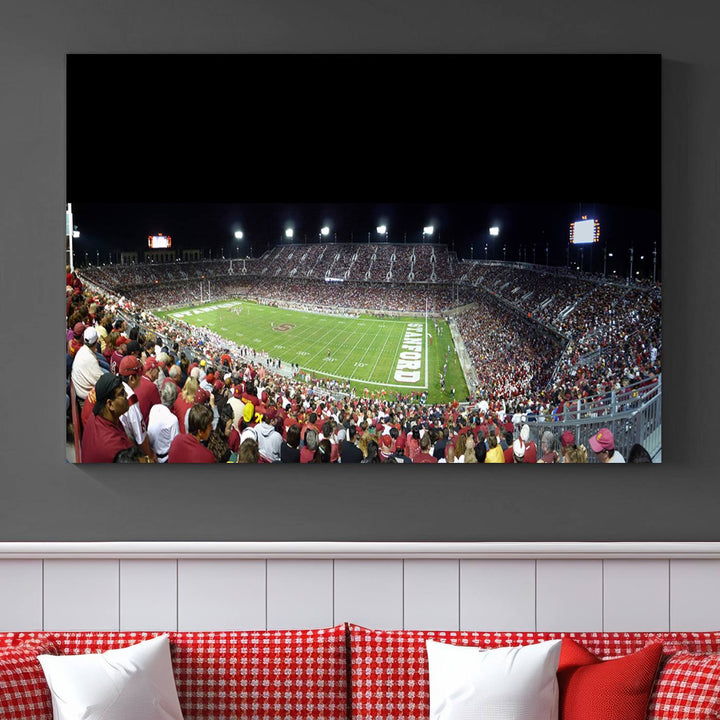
point(493, 232)
point(71, 233)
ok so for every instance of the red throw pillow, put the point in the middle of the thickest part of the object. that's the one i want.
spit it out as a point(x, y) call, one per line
point(616, 689)
point(24, 692)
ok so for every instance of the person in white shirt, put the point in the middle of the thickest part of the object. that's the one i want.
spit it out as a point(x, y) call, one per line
point(603, 445)
point(86, 370)
point(162, 423)
point(269, 440)
point(237, 405)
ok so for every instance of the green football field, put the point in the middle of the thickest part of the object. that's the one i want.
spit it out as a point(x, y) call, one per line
point(401, 355)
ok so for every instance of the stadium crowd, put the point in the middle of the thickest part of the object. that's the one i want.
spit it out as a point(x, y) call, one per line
point(142, 385)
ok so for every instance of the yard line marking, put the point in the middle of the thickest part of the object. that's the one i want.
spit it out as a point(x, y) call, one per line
point(372, 372)
point(369, 347)
point(349, 356)
point(322, 350)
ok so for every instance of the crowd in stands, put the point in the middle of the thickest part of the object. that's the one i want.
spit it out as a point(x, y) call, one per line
point(542, 342)
point(359, 262)
point(516, 358)
point(312, 294)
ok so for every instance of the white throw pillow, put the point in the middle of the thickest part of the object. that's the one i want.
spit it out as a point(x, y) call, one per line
point(512, 683)
point(131, 683)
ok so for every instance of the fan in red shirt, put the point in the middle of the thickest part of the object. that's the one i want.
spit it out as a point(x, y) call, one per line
point(147, 391)
point(311, 442)
point(188, 447)
point(76, 342)
point(103, 435)
point(424, 455)
point(311, 424)
point(289, 419)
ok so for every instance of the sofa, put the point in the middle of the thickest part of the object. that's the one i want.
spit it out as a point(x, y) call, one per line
point(349, 671)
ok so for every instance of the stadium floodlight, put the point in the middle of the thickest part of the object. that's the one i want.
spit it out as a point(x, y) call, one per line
point(381, 229)
point(325, 231)
point(289, 233)
point(494, 231)
point(238, 235)
point(429, 230)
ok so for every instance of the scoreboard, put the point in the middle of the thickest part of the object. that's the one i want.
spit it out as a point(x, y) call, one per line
point(159, 242)
point(584, 231)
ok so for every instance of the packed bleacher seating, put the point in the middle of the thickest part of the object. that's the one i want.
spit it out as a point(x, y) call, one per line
point(541, 340)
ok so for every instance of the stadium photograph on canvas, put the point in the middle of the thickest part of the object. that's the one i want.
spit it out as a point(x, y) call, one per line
point(495, 329)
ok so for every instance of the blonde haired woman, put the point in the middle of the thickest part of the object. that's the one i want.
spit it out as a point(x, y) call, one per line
point(576, 454)
point(460, 447)
point(364, 440)
point(470, 449)
point(185, 400)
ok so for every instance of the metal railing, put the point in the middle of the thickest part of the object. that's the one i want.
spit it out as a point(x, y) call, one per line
point(633, 415)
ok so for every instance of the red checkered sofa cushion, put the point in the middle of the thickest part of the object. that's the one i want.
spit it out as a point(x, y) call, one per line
point(236, 675)
point(24, 693)
point(390, 678)
point(688, 685)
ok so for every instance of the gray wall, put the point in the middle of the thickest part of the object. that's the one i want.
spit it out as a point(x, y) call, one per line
point(42, 498)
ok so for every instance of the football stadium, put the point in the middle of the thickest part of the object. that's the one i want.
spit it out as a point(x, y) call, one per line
point(357, 346)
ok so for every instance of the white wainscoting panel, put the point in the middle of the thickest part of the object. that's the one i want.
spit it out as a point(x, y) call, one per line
point(369, 593)
point(221, 595)
point(299, 594)
point(694, 594)
point(82, 594)
point(471, 586)
point(497, 595)
point(431, 594)
point(21, 599)
point(635, 595)
point(148, 595)
point(569, 595)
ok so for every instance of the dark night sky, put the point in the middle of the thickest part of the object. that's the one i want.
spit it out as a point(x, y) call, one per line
point(114, 227)
point(199, 146)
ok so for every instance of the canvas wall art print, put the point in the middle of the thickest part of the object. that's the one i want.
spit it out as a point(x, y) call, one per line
point(326, 309)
